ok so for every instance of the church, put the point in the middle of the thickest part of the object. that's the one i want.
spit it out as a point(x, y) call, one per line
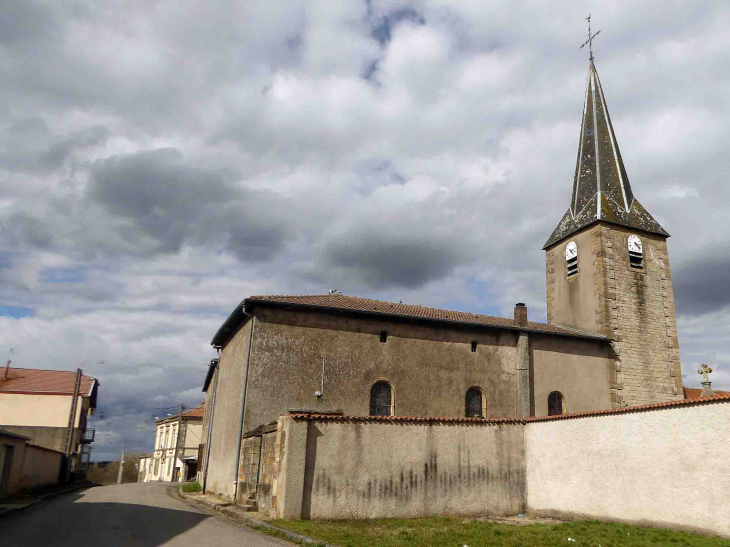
point(610, 340)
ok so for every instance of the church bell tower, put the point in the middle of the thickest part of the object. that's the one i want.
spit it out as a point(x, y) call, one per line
point(607, 266)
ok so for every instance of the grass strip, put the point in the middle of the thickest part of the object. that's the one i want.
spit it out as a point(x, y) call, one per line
point(456, 532)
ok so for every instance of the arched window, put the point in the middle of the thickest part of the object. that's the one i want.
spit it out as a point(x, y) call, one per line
point(381, 399)
point(556, 404)
point(476, 403)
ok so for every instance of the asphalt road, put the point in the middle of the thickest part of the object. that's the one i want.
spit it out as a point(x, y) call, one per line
point(140, 515)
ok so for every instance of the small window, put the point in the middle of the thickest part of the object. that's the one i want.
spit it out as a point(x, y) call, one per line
point(381, 399)
point(571, 258)
point(476, 403)
point(474, 346)
point(636, 252)
point(556, 404)
point(383, 336)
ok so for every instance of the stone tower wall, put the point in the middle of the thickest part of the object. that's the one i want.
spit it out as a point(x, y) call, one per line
point(633, 307)
point(639, 304)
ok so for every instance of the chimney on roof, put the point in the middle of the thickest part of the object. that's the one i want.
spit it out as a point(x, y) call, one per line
point(521, 314)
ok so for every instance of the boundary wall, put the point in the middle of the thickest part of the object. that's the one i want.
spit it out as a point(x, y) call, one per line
point(367, 468)
point(666, 464)
point(31, 466)
point(660, 466)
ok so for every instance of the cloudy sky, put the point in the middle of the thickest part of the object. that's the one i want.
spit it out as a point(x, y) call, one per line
point(161, 161)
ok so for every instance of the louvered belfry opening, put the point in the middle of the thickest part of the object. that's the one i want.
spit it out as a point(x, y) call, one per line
point(381, 399)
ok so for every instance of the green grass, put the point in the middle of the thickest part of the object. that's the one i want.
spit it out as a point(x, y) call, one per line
point(455, 532)
point(192, 487)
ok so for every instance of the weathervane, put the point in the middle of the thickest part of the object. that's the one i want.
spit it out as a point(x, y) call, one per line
point(590, 37)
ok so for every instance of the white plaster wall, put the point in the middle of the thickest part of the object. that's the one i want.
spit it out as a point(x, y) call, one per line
point(665, 467)
point(193, 438)
point(35, 410)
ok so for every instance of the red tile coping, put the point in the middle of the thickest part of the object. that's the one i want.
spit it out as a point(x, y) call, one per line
point(389, 419)
point(498, 421)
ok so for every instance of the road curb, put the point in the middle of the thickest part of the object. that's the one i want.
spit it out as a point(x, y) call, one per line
point(15, 510)
point(229, 511)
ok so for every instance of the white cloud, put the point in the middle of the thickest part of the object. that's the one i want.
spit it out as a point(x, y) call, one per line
point(676, 191)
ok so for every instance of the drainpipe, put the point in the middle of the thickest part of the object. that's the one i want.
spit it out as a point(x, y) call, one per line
point(243, 405)
point(214, 363)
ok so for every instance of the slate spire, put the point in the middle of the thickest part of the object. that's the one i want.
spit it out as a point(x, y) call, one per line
point(601, 188)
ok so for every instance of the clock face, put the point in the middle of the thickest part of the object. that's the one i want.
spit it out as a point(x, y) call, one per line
point(571, 250)
point(635, 244)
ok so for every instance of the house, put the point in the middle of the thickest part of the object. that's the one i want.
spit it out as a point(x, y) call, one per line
point(50, 407)
point(24, 466)
point(177, 441)
point(146, 461)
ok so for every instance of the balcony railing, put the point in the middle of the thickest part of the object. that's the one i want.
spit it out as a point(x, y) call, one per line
point(88, 436)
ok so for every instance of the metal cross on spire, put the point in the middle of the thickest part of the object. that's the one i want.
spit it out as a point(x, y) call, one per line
point(589, 42)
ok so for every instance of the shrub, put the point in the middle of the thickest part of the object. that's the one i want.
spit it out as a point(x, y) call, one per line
point(192, 487)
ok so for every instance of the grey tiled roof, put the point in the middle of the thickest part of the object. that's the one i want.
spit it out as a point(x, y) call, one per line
point(341, 302)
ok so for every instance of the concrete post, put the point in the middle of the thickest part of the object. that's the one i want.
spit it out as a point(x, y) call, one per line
point(121, 468)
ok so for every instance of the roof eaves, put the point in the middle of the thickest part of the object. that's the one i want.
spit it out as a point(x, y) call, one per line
point(14, 435)
point(209, 376)
point(225, 330)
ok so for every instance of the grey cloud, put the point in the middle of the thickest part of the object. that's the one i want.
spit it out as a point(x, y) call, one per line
point(173, 202)
point(27, 229)
point(382, 29)
point(381, 260)
point(24, 22)
point(31, 146)
point(701, 282)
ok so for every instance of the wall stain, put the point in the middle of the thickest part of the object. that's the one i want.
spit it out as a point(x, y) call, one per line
point(426, 481)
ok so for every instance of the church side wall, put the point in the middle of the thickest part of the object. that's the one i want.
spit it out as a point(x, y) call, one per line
point(376, 469)
point(430, 369)
point(227, 416)
point(579, 369)
point(640, 304)
point(666, 467)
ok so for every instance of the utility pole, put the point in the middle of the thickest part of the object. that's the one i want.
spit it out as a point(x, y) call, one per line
point(7, 366)
point(177, 443)
point(121, 468)
point(72, 424)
